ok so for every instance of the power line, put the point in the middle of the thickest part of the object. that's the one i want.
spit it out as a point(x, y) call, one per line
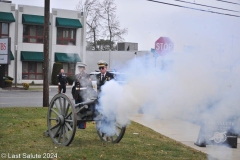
point(229, 2)
point(206, 6)
point(194, 8)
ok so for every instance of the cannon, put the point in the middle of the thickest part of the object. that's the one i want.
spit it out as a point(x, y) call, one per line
point(64, 116)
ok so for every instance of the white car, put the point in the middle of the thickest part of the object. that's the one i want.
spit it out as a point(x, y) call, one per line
point(119, 77)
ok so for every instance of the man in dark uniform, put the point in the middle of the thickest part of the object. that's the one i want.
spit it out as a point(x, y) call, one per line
point(104, 75)
point(62, 81)
point(102, 78)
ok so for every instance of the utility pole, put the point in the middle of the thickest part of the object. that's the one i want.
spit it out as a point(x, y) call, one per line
point(15, 65)
point(46, 54)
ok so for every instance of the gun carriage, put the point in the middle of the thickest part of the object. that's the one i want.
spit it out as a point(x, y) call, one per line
point(64, 116)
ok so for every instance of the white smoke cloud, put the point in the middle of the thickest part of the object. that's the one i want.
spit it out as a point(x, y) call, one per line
point(222, 152)
point(188, 86)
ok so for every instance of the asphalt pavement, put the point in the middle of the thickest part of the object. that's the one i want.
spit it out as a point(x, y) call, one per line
point(28, 98)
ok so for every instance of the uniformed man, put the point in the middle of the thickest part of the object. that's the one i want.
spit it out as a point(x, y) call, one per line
point(104, 75)
point(62, 81)
point(82, 81)
point(82, 88)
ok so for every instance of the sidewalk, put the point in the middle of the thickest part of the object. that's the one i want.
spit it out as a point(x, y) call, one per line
point(41, 86)
point(187, 134)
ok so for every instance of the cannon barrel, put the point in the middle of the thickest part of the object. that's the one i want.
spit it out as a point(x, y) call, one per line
point(85, 103)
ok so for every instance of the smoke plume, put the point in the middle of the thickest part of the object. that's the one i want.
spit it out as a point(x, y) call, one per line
point(188, 86)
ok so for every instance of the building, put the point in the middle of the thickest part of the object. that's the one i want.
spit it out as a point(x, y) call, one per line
point(25, 28)
point(67, 43)
point(127, 46)
point(117, 60)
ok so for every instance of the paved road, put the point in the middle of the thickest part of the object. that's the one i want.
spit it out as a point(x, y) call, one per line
point(26, 98)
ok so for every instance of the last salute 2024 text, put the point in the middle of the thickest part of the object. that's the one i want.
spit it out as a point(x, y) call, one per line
point(32, 156)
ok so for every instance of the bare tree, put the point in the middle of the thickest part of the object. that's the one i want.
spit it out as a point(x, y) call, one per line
point(93, 17)
point(112, 25)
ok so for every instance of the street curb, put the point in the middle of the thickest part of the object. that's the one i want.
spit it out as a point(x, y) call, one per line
point(38, 87)
point(2, 90)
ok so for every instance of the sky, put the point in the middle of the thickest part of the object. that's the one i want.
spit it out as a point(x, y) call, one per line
point(188, 29)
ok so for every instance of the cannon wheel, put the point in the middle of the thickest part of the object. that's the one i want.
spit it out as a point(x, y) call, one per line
point(61, 120)
point(120, 130)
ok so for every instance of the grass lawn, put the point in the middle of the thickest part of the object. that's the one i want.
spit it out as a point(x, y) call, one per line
point(22, 130)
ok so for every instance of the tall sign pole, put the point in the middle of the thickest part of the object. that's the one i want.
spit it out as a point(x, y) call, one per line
point(155, 55)
point(46, 54)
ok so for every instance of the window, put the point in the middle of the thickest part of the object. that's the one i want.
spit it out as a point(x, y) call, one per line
point(4, 30)
point(66, 36)
point(32, 70)
point(69, 68)
point(32, 34)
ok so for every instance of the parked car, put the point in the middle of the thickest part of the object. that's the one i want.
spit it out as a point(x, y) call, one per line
point(119, 77)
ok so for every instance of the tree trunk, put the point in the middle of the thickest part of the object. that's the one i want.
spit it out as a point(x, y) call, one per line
point(94, 39)
point(110, 39)
point(110, 32)
point(46, 54)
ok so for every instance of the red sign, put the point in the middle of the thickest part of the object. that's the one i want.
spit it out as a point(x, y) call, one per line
point(164, 45)
point(3, 46)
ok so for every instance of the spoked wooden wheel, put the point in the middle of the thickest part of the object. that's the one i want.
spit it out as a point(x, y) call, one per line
point(117, 132)
point(61, 120)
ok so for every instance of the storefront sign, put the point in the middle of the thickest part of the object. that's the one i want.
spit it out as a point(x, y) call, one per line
point(3, 59)
point(5, 46)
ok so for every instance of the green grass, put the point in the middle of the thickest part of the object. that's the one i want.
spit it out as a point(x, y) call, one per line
point(22, 132)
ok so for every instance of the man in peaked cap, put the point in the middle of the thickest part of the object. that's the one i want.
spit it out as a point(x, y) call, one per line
point(82, 80)
point(104, 75)
point(80, 88)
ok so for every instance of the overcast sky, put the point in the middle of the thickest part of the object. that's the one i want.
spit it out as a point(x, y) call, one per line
point(147, 21)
